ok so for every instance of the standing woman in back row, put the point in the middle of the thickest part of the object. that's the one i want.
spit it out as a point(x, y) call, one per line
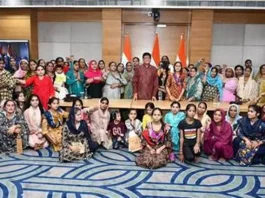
point(230, 85)
point(213, 86)
point(176, 83)
point(42, 86)
point(247, 88)
point(114, 82)
point(75, 80)
point(94, 80)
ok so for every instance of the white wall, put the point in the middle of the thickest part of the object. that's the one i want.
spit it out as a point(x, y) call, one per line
point(234, 43)
point(81, 39)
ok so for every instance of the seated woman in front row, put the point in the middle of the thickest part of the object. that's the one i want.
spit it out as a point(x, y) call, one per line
point(100, 117)
point(12, 125)
point(52, 124)
point(249, 146)
point(76, 143)
point(218, 138)
point(156, 142)
point(33, 116)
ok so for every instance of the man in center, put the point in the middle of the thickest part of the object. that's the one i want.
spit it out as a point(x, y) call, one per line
point(145, 81)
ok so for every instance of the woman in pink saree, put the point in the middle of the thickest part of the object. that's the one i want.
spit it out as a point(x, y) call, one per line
point(218, 138)
point(230, 85)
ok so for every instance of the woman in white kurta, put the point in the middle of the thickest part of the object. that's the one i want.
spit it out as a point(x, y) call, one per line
point(114, 82)
point(247, 88)
point(33, 117)
point(99, 118)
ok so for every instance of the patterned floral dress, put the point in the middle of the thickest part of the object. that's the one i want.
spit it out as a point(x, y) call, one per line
point(69, 138)
point(7, 85)
point(155, 140)
point(8, 142)
point(52, 126)
point(128, 90)
point(176, 85)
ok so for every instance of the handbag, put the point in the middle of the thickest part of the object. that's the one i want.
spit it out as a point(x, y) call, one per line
point(80, 146)
point(135, 143)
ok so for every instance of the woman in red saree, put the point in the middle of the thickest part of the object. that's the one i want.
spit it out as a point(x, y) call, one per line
point(218, 138)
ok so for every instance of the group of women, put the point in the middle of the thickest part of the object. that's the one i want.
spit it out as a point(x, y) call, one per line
point(78, 134)
point(199, 82)
point(35, 116)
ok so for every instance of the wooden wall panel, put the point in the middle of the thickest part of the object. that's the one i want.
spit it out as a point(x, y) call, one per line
point(69, 15)
point(225, 16)
point(111, 26)
point(20, 24)
point(34, 46)
point(143, 35)
point(201, 35)
point(15, 25)
point(166, 16)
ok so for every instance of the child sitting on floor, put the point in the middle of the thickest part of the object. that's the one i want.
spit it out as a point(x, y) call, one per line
point(134, 131)
point(117, 129)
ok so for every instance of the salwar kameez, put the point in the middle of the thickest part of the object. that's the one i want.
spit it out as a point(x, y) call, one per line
point(194, 88)
point(155, 140)
point(7, 85)
point(113, 93)
point(213, 89)
point(70, 139)
point(253, 132)
point(41, 87)
point(99, 124)
point(173, 121)
point(175, 85)
point(218, 141)
point(75, 86)
point(33, 118)
point(229, 90)
point(52, 126)
point(128, 89)
point(8, 143)
point(234, 123)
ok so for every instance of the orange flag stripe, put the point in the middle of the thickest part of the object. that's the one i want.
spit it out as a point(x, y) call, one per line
point(156, 51)
point(127, 49)
point(182, 51)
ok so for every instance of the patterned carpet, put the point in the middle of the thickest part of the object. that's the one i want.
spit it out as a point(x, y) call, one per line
point(114, 174)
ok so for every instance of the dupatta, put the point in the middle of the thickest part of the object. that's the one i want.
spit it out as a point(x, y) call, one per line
point(216, 82)
point(20, 73)
point(93, 73)
point(152, 137)
point(225, 133)
point(53, 121)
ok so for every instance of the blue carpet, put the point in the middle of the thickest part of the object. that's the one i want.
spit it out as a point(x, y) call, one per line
point(38, 174)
